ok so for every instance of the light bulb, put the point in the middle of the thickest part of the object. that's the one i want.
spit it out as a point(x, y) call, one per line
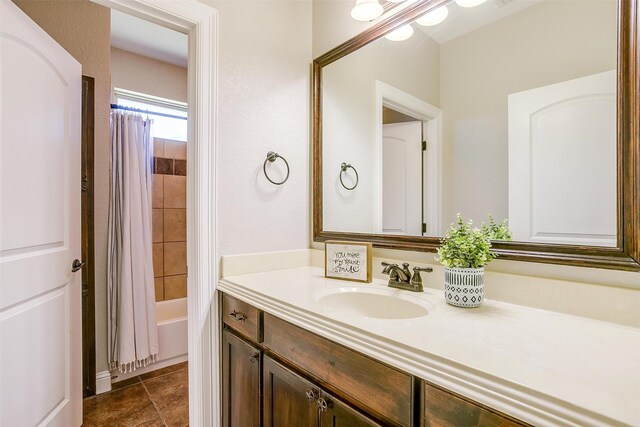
point(434, 17)
point(469, 3)
point(366, 10)
point(400, 34)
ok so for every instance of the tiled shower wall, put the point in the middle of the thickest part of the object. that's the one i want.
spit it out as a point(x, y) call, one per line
point(169, 219)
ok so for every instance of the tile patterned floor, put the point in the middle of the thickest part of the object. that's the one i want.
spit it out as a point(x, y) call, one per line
point(156, 399)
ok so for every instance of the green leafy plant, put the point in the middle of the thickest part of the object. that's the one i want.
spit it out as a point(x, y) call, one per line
point(467, 247)
point(497, 231)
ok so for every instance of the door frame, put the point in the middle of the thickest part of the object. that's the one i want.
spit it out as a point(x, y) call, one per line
point(431, 116)
point(88, 239)
point(200, 23)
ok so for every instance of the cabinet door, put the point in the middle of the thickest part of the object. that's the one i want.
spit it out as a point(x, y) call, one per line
point(289, 400)
point(339, 414)
point(240, 382)
point(442, 409)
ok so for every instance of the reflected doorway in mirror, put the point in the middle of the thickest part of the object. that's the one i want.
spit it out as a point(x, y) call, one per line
point(422, 211)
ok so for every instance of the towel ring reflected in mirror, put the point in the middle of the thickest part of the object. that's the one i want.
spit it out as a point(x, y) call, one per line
point(272, 157)
point(343, 168)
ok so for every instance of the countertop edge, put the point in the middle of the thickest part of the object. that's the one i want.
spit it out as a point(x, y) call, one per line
point(503, 395)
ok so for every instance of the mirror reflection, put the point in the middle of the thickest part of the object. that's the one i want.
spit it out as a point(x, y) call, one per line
point(507, 109)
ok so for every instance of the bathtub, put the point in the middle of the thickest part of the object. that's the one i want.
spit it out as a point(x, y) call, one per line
point(172, 338)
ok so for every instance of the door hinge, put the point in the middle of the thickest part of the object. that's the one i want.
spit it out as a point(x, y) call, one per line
point(424, 145)
point(424, 227)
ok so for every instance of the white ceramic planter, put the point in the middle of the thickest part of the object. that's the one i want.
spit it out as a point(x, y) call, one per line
point(464, 287)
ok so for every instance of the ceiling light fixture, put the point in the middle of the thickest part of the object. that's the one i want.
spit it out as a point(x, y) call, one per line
point(366, 10)
point(434, 17)
point(469, 3)
point(400, 34)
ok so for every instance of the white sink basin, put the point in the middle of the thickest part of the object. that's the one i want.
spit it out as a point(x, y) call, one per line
point(373, 303)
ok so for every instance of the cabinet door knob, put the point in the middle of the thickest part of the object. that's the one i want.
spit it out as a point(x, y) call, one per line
point(254, 357)
point(322, 405)
point(312, 394)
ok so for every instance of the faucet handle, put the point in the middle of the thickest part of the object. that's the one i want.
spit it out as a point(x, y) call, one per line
point(417, 279)
point(386, 264)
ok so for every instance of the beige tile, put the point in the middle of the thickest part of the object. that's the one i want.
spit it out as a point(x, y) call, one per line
point(158, 184)
point(175, 225)
point(175, 191)
point(158, 227)
point(175, 258)
point(175, 149)
point(158, 260)
point(175, 287)
point(158, 147)
point(159, 285)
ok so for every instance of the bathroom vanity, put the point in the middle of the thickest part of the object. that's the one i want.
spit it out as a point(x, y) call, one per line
point(293, 355)
point(308, 380)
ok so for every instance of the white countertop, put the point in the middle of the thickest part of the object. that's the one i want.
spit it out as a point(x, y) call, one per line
point(542, 367)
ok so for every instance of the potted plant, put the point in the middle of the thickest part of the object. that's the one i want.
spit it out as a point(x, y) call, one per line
point(464, 253)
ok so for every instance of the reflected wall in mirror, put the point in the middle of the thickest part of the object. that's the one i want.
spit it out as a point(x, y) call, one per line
point(505, 109)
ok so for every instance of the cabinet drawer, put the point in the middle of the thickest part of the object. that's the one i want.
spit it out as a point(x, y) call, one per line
point(373, 386)
point(443, 409)
point(242, 317)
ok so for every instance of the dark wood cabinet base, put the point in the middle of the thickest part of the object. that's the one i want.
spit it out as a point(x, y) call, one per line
point(298, 379)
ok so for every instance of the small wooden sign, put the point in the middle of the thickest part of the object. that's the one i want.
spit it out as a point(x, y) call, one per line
point(348, 261)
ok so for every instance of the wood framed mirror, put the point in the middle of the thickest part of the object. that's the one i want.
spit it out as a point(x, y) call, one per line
point(610, 202)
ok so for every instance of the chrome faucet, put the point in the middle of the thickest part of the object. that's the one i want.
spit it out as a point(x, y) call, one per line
point(401, 278)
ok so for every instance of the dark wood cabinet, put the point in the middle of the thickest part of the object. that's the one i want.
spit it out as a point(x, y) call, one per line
point(276, 374)
point(241, 366)
point(290, 400)
point(344, 371)
point(443, 409)
point(242, 318)
point(339, 414)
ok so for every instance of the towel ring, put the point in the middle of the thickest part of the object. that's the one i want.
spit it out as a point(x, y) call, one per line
point(343, 168)
point(271, 157)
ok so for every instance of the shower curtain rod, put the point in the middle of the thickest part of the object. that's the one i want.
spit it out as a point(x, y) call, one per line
point(153, 113)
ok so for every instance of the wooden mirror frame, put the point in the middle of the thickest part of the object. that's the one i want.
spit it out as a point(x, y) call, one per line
point(626, 254)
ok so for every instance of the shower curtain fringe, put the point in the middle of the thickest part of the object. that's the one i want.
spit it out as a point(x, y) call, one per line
point(125, 368)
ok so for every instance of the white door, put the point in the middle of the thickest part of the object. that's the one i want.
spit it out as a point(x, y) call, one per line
point(562, 162)
point(40, 330)
point(402, 178)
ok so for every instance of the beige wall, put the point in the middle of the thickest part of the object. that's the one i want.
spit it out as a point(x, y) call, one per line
point(83, 29)
point(332, 24)
point(542, 45)
point(263, 104)
point(146, 75)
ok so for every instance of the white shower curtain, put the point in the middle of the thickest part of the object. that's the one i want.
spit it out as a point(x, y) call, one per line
point(132, 328)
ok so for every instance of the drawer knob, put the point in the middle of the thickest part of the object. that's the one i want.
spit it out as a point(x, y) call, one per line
point(312, 394)
point(238, 316)
point(332, 363)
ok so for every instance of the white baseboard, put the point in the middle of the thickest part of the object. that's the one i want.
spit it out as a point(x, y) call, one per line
point(119, 376)
point(103, 382)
